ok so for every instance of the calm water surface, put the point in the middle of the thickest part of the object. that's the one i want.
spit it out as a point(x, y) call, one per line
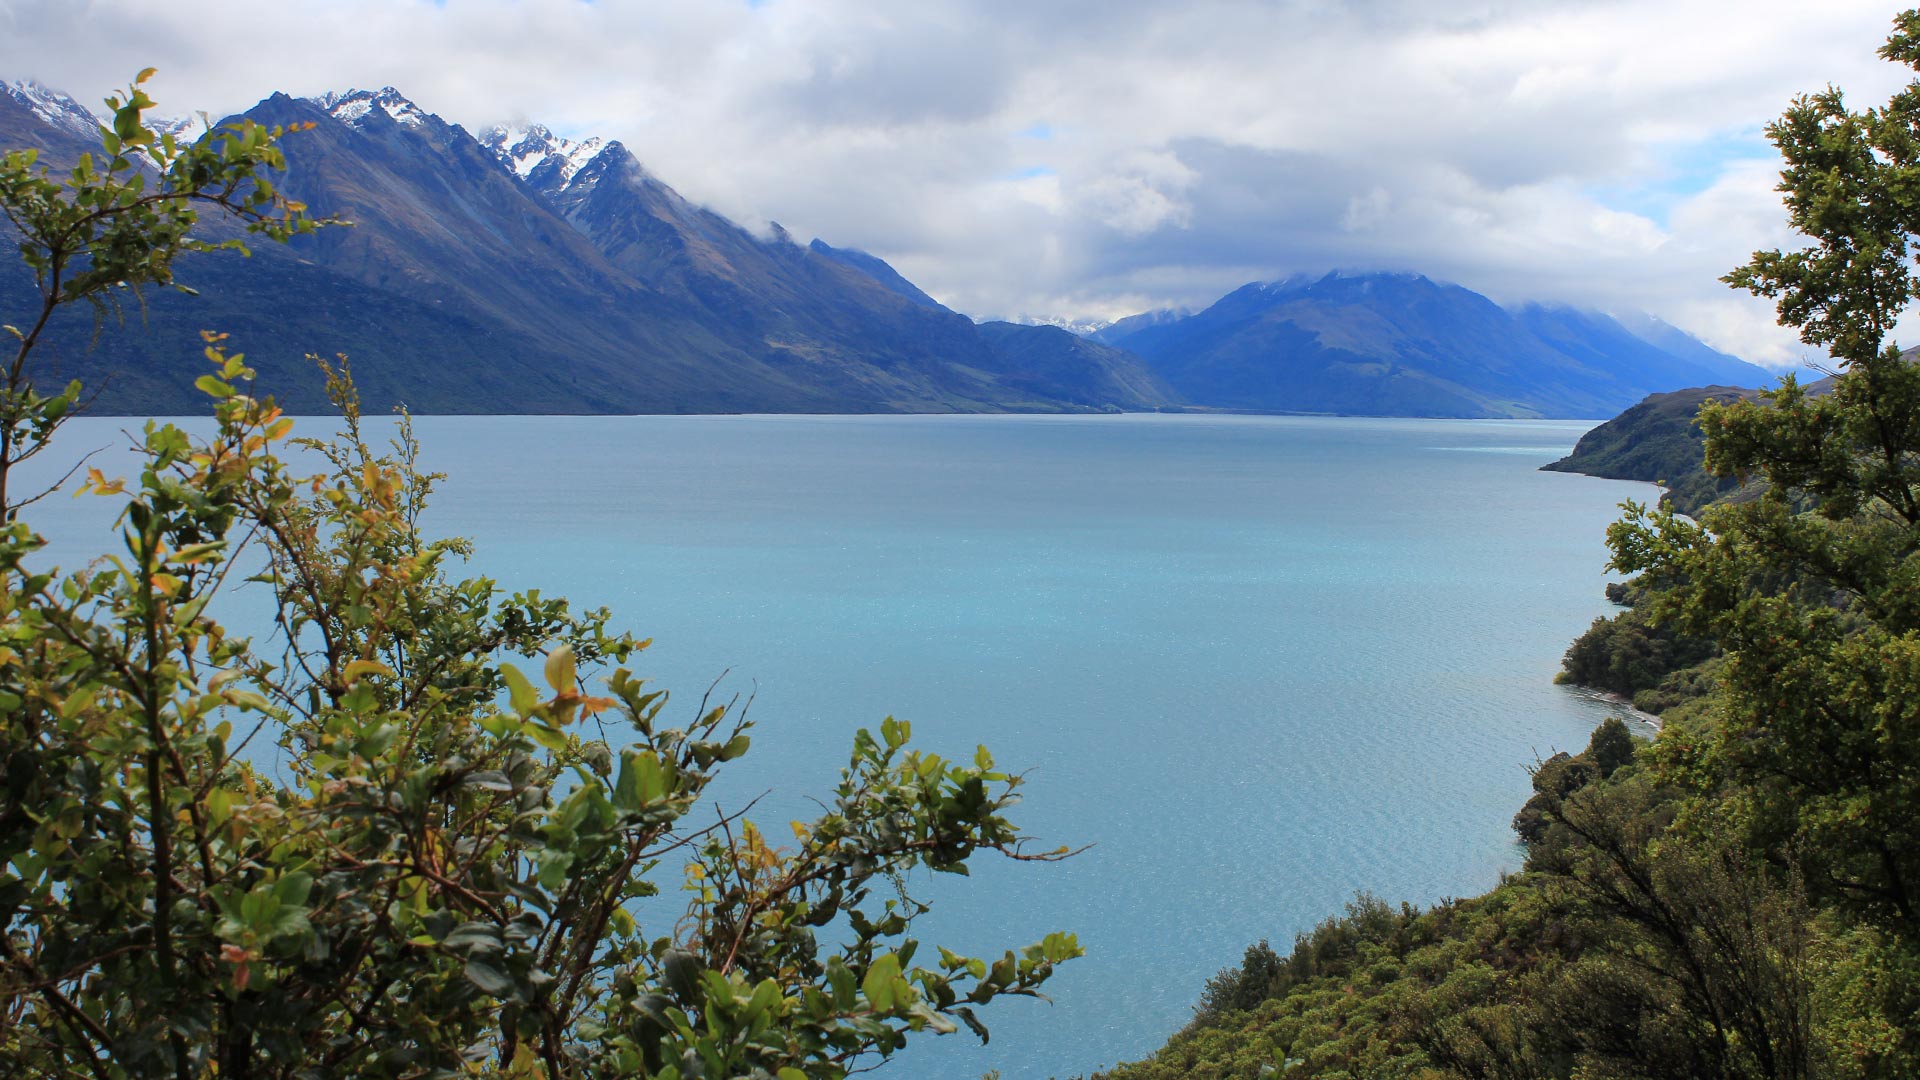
point(1258, 663)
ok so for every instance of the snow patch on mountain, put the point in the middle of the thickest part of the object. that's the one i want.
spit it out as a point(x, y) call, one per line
point(525, 149)
point(1081, 327)
point(184, 129)
point(55, 108)
point(353, 106)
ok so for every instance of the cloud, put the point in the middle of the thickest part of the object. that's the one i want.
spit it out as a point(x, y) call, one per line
point(1089, 159)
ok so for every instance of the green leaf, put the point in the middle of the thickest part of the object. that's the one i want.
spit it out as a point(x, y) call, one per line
point(561, 670)
point(650, 775)
point(840, 979)
point(474, 935)
point(895, 732)
point(550, 737)
point(490, 979)
point(878, 985)
point(553, 866)
point(293, 888)
point(682, 972)
point(764, 997)
point(520, 693)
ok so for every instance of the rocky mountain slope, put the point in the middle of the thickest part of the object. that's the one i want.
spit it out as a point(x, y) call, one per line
point(520, 272)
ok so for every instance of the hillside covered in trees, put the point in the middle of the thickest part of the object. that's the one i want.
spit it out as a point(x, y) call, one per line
point(1658, 442)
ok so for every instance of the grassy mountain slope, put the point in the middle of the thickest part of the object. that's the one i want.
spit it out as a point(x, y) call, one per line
point(1656, 441)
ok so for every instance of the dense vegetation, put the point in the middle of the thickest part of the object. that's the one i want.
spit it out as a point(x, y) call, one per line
point(1658, 442)
point(1643, 660)
point(1739, 898)
point(369, 845)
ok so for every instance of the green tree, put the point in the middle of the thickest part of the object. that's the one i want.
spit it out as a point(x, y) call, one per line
point(1814, 589)
point(114, 226)
point(1692, 961)
point(448, 870)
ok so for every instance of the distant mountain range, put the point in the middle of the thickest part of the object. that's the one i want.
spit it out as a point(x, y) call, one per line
point(518, 271)
point(1404, 345)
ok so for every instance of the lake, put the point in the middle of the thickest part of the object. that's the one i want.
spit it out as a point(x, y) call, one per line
point(1259, 663)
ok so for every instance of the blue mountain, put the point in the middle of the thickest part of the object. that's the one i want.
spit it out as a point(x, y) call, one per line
point(1405, 345)
point(521, 272)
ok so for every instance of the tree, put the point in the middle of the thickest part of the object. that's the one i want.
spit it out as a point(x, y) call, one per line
point(114, 227)
point(1694, 962)
point(1814, 589)
point(449, 869)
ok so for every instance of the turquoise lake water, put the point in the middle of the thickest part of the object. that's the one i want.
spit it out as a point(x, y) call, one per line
point(1258, 662)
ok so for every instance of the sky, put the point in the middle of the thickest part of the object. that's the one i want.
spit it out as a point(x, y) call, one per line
point(1083, 160)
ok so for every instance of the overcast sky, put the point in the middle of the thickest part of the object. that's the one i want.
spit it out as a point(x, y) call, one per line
point(1093, 158)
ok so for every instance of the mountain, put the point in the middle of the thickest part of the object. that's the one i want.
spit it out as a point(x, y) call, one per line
point(1664, 335)
point(1656, 441)
point(34, 116)
point(523, 272)
point(1403, 345)
point(1372, 344)
point(538, 156)
point(405, 293)
point(1115, 331)
point(877, 269)
point(1653, 353)
point(1685, 345)
point(1055, 362)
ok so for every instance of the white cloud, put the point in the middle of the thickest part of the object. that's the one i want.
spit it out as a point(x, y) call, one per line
point(1141, 193)
point(1083, 159)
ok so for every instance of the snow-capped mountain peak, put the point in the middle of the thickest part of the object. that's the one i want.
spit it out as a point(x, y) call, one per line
point(1083, 327)
point(525, 149)
point(183, 128)
point(55, 108)
point(352, 106)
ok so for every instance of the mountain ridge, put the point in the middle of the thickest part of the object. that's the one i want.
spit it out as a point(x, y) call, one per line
point(1402, 344)
point(552, 277)
point(519, 271)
